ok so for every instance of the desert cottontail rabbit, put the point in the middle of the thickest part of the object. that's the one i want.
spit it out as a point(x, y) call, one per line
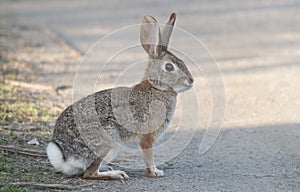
point(87, 133)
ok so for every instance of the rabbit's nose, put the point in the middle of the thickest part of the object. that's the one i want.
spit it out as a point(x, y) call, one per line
point(191, 80)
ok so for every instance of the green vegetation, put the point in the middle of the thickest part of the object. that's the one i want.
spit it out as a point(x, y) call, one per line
point(16, 168)
point(16, 107)
point(26, 113)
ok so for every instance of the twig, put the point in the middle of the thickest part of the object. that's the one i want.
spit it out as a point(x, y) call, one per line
point(259, 176)
point(24, 151)
point(48, 186)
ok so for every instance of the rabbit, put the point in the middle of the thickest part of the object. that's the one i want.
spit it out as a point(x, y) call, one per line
point(87, 133)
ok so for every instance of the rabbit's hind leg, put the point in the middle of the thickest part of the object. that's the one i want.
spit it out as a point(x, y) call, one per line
point(94, 170)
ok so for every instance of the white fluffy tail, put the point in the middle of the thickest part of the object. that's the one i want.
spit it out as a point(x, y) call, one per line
point(69, 167)
point(55, 156)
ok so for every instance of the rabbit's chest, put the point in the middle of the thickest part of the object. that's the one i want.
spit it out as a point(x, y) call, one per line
point(151, 112)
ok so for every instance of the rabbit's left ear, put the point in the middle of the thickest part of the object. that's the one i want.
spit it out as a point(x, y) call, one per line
point(150, 36)
point(167, 31)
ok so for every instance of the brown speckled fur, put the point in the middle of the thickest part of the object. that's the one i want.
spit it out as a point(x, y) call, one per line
point(68, 137)
point(89, 128)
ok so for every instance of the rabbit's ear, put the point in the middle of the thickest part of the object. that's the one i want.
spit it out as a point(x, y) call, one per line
point(150, 36)
point(166, 34)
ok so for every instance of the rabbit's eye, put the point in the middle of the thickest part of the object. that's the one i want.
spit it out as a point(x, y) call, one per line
point(169, 67)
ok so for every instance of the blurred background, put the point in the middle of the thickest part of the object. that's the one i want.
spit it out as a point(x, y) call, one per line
point(256, 45)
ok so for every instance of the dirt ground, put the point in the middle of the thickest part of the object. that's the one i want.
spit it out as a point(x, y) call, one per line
point(256, 45)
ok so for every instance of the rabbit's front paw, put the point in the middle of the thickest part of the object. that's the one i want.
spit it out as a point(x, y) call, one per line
point(154, 172)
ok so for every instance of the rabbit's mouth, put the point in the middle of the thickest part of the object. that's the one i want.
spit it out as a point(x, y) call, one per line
point(185, 85)
point(184, 88)
point(165, 86)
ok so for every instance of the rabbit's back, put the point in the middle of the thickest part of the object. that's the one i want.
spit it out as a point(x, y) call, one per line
point(86, 124)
